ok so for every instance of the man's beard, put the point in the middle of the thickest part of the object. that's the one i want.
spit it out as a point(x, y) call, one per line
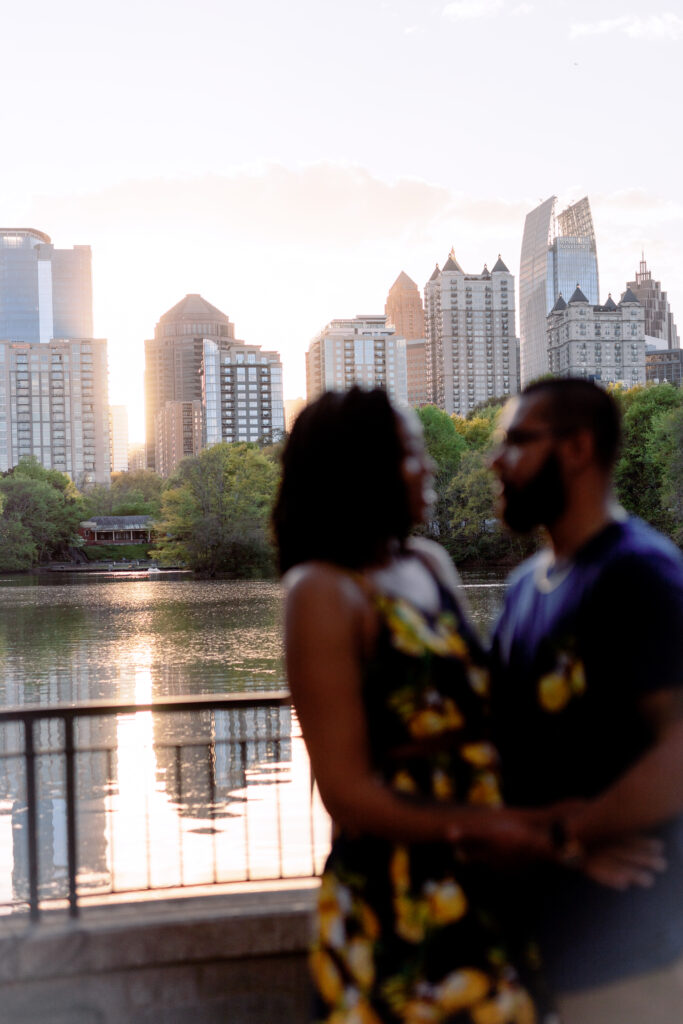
point(540, 502)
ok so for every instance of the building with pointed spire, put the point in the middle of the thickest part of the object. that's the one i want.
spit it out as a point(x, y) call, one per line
point(557, 251)
point(605, 344)
point(471, 340)
point(404, 310)
point(660, 328)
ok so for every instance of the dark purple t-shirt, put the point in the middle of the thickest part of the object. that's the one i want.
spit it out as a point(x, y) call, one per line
point(574, 652)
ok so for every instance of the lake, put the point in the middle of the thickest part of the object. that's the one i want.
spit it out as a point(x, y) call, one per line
point(164, 800)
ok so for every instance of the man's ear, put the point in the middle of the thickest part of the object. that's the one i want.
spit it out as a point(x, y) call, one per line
point(578, 450)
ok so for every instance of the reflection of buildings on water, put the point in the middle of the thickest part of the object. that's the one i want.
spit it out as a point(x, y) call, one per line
point(202, 757)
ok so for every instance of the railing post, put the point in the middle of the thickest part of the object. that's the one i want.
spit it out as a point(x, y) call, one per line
point(71, 851)
point(31, 818)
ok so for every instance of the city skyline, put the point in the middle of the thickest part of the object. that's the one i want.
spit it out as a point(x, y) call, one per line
point(310, 186)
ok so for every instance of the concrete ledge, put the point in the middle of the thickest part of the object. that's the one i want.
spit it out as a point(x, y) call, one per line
point(238, 957)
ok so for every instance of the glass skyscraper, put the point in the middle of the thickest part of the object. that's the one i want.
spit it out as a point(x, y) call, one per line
point(45, 293)
point(558, 253)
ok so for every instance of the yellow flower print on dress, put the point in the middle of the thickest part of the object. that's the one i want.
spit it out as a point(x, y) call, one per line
point(411, 632)
point(419, 1011)
point(481, 755)
point(442, 785)
point(432, 721)
point(446, 901)
point(358, 956)
point(567, 680)
point(326, 975)
point(485, 790)
point(461, 989)
point(334, 901)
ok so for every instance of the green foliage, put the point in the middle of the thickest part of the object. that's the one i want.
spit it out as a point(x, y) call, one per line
point(645, 473)
point(116, 552)
point(445, 447)
point(215, 512)
point(41, 510)
point(130, 494)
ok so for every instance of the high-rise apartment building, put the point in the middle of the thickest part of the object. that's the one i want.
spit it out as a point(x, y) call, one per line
point(241, 394)
point(137, 457)
point(53, 373)
point(118, 430)
point(363, 351)
point(173, 358)
point(404, 310)
point(471, 341)
point(178, 434)
point(659, 321)
point(556, 253)
point(45, 293)
point(54, 405)
point(605, 343)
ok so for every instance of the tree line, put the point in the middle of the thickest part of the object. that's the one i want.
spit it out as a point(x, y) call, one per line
point(213, 514)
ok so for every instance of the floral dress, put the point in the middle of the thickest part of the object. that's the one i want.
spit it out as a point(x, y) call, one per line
point(409, 933)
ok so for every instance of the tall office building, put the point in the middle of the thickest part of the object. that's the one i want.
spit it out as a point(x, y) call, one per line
point(173, 358)
point(45, 293)
point(471, 342)
point(605, 344)
point(363, 351)
point(556, 253)
point(118, 430)
point(659, 321)
point(241, 394)
point(404, 309)
point(54, 405)
point(416, 371)
point(53, 373)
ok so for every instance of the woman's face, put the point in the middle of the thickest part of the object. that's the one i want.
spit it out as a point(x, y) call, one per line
point(417, 468)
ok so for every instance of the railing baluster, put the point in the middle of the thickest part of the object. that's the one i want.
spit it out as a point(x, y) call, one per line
point(31, 818)
point(71, 846)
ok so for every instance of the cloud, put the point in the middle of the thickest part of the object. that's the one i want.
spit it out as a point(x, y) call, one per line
point(468, 10)
point(666, 26)
point(522, 10)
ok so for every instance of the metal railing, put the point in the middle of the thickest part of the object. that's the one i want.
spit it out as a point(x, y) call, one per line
point(213, 762)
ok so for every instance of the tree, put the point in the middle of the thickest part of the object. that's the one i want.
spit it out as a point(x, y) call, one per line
point(216, 509)
point(41, 511)
point(639, 472)
point(445, 447)
point(667, 448)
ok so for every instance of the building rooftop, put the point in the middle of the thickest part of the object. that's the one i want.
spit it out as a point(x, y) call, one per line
point(578, 296)
point(118, 522)
point(499, 267)
point(194, 307)
point(559, 305)
point(40, 236)
point(628, 296)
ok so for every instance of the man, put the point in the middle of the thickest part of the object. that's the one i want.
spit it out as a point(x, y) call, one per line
point(588, 670)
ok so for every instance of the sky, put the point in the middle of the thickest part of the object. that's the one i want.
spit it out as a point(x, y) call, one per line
point(287, 161)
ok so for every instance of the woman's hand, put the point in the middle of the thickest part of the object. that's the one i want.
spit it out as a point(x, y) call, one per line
point(501, 838)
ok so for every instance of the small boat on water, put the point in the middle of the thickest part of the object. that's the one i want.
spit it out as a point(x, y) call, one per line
point(153, 569)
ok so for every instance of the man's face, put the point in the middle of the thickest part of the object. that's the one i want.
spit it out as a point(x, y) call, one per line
point(528, 467)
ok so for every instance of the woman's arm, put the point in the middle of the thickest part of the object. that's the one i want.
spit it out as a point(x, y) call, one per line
point(329, 626)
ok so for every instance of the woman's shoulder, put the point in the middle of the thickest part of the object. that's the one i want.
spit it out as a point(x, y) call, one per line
point(438, 560)
point(322, 582)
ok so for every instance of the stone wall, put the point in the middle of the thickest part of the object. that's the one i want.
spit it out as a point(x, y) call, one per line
point(236, 958)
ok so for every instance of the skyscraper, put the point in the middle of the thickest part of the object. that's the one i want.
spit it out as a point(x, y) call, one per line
point(173, 358)
point(471, 342)
point(45, 292)
point(404, 310)
point(53, 373)
point(557, 254)
point(364, 351)
point(659, 321)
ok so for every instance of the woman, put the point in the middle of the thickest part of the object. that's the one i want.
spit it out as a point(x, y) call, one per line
point(390, 687)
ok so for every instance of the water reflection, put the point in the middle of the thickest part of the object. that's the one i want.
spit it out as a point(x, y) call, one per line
point(164, 799)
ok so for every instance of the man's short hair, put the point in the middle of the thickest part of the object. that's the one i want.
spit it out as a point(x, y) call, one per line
point(576, 404)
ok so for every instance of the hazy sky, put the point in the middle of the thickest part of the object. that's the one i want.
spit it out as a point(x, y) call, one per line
point(288, 160)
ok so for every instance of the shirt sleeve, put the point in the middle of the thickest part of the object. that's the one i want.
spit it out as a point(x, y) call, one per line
point(638, 604)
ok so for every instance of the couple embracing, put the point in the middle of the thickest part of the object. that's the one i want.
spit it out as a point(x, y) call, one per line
point(507, 845)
